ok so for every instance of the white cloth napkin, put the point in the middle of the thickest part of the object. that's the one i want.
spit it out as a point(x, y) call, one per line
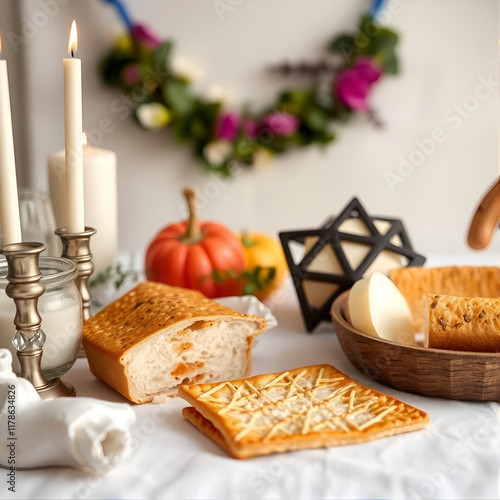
point(249, 304)
point(79, 432)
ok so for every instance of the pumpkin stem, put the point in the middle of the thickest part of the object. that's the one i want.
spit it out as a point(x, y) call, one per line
point(193, 234)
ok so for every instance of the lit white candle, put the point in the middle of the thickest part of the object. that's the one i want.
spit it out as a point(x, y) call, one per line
point(100, 195)
point(73, 137)
point(9, 204)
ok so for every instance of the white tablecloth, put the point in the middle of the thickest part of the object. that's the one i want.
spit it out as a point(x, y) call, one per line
point(457, 456)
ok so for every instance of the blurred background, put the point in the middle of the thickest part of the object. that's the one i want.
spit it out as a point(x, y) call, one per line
point(447, 87)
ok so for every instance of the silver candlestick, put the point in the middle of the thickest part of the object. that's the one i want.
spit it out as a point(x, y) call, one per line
point(76, 247)
point(25, 287)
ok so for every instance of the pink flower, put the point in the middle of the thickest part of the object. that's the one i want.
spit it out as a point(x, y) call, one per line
point(143, 35)
point(250, 128)
point(227, 127)
point(130, 75)
point(368, 69)
point(352, 85)
point(282, 124)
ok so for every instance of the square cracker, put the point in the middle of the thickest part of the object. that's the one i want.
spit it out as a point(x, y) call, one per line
point(311, 407)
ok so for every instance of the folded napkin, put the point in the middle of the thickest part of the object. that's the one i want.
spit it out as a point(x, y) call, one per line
point(79, 432)
point(249, 304)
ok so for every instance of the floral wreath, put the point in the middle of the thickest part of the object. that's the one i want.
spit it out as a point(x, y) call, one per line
point(158, 84)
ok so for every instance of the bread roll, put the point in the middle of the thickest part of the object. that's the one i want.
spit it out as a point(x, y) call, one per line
point(157, 337)
point(462, 281)
point(462, 323)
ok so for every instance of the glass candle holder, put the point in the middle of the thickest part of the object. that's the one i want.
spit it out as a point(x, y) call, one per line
point(61, 310)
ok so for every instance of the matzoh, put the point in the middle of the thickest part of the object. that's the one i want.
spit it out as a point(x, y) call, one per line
point(311, 407)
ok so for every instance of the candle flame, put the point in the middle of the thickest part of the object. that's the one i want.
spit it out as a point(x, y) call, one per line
point(0, 43)
point(84, 139)
point(73, 39)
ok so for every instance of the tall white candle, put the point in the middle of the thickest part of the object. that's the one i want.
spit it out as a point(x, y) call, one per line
point(100, 195)
point(9, 204)
point(73, 130)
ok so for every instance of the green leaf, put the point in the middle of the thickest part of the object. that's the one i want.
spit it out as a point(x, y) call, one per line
point(295, 101)
point(277, 143)
point(222, 170)
point(252, 281)
point(389, 63)
point(178, 97)
point(111, 68)
point(244, 149)
point(101, 278)
point(209, 111)
point(116, 275)
point(385, 41)
point(316, 119)
point(340, 43)
point(196, 126)
point(180, 128)
point(161, 56)
point(249, 289)
point(325, 138)
point(198, 129)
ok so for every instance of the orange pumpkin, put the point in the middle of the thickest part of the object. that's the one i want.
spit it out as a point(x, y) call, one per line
point(264, 251)
point(191, 254)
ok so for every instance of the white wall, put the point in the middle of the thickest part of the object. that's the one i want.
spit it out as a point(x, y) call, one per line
point(447, 48)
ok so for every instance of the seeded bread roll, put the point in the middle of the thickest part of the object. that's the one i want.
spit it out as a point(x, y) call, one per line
point(462, 323)
point(156, 337)
point(462, 281)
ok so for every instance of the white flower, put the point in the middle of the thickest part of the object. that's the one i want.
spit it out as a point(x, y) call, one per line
point(217, 152)
point(184, 69)
point(153, 116)
point(218, 93)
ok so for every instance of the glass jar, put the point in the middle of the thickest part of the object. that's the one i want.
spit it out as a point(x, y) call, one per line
point(61, 310)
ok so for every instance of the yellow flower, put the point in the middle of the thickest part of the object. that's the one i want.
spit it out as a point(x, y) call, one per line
point(124, 43)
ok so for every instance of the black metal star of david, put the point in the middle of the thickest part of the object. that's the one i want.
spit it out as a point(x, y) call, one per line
point(330, 235)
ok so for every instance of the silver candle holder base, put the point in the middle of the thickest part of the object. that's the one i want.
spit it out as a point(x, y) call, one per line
point(25, 287)
point(76, 247)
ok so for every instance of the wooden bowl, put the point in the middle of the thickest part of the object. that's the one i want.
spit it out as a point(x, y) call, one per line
point(471, 376)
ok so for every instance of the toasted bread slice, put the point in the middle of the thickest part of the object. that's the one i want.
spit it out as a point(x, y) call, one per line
point(311, 407)
point(156, 337)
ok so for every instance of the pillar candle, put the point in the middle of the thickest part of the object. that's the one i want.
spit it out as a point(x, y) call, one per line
point(100, 200)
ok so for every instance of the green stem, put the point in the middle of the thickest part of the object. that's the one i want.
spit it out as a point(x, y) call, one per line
point(193, 234)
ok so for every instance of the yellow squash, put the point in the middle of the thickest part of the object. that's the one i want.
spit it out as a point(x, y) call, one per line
point(264, 251)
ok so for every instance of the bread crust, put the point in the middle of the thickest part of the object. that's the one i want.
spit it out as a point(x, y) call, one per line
point(463, 323)
point(310, 407)
point(148, 310)
point(463, 281)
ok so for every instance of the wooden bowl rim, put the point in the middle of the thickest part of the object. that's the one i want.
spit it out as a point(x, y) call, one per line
point(337, 313)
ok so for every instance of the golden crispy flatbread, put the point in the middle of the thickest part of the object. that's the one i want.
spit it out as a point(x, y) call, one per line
point(311, 407)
